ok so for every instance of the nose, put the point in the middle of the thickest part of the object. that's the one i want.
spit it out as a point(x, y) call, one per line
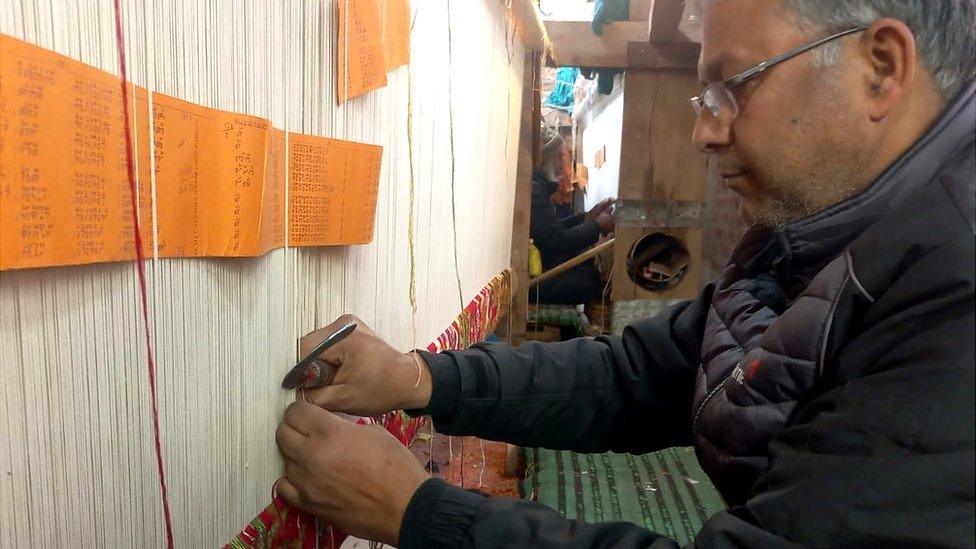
point(710, 134)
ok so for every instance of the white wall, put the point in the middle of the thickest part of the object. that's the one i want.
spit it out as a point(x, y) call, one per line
point(602, 118)
point(566, 10)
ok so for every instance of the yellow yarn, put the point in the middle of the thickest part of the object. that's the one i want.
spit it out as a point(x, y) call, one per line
point(535, 260)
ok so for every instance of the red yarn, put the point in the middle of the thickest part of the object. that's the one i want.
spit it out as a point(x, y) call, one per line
point(141, 269)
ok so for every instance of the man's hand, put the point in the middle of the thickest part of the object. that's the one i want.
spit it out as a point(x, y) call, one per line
point(604, 205)
point(602, 214)
point(606, 221)
point(371, 377)
point(356, 477)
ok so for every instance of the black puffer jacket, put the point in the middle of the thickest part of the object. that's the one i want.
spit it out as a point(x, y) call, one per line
point(827, 381)
point(765, 347)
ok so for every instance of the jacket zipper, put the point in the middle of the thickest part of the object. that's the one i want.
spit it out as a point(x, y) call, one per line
point(701, 407)
point(827, 326)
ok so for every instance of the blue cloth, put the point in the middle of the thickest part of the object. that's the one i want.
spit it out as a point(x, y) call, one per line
point(561, 96)
point(605, 11)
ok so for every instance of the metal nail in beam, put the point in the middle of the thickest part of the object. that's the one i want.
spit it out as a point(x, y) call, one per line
point(672, 213)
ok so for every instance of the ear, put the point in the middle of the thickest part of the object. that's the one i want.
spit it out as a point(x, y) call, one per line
point(888, 46)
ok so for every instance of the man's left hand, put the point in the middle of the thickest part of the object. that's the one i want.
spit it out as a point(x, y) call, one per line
point(356, 477)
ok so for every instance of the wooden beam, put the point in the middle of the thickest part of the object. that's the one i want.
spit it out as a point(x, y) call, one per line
point(663, 20)
point(658, 161)
point(531, 31)
point(639, 10)
point(575, 45)
point(650, 55)
point(528, 132)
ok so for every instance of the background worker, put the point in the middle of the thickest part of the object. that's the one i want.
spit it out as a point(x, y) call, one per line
point(560, 239)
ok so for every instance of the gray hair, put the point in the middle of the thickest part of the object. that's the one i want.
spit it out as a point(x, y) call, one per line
point(551, 158)
point(945, 31)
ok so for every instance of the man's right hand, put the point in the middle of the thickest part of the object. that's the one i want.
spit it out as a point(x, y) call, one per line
point(606, 221)
point(371, 376)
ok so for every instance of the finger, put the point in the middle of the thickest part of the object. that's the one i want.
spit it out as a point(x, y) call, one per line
point(295, 472)
point(304, 417)
point(308, 343)
point(290, 442)
point(330, 397)
point(288, 492)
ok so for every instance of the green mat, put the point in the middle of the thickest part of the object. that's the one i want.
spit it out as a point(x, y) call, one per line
point(666, 491)
point(555, 315)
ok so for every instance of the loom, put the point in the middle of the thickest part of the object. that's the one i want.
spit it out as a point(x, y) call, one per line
point(77, 459)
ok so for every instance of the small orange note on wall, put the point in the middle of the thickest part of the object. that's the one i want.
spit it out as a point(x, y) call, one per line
point(396, 33)
point(361, 66)
point(64, 186)
point(332, 192)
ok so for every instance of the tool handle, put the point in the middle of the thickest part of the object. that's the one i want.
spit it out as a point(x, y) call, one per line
point(299, 375)
point(318, 374)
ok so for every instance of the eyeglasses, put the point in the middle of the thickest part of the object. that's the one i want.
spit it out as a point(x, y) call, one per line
point(718, 97)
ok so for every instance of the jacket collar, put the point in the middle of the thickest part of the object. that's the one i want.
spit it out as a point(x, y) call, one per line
point(547, 185)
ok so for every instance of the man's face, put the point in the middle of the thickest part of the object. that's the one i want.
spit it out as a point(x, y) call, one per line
point(566, 169)
point(799, 142)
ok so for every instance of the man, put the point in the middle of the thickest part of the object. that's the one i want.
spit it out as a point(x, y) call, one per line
point(560, 240)
point(826, 379)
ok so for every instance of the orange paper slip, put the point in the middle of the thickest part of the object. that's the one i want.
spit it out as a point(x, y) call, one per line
point(361, 67)
point(64, 190)
point(396, 33)
point(210, 180)
point(272, 231)
point(332, 190)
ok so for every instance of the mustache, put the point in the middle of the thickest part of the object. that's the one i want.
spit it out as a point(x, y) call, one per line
point(727, 166)
point(731, 171)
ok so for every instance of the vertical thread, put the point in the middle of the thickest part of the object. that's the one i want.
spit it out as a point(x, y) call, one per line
point(140, 269)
